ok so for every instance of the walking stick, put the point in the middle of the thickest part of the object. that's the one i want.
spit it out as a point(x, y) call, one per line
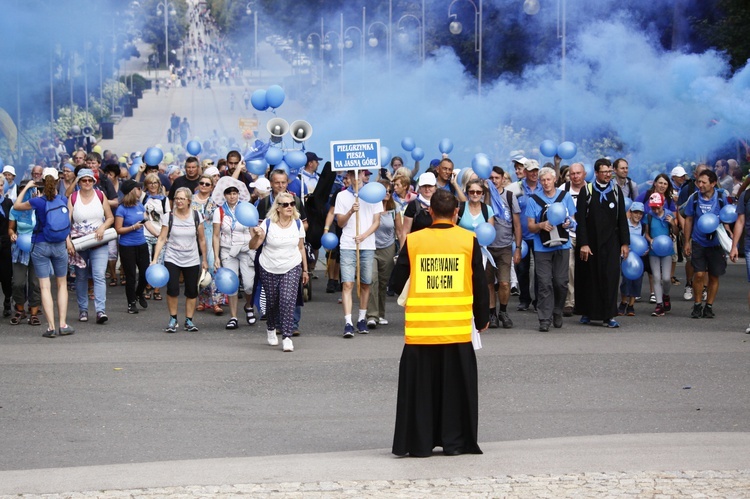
point(356, 233)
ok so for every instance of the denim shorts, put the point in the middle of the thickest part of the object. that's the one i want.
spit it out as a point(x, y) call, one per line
point(349, 265)
point(50, 258)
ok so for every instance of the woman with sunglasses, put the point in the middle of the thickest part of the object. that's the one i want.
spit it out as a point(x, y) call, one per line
point(282, 262)
point(182, 257)
point(385, 250)
point(209, 298)
point(231, 243)
point(91, 214)
point(51, 246)
point(157, 207)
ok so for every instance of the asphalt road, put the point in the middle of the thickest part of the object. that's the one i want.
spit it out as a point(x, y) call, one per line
point(127, 392)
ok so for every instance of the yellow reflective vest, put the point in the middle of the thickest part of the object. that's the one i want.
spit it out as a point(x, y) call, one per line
point(440, 298)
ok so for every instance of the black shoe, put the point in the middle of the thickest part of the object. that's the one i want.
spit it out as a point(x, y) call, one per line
point(493, 321)
point(708, 312)
point(557, 320)
point(543, 326)
point(6, 308)
point(568, 312)
point(523, 307)
point(505, 320)
point(132, 309)
point(697, 311)
point(331, 286)
point(142, 301)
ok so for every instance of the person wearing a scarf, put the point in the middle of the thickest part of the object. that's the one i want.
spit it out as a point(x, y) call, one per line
point(602, 238)
point(416, 216)
point(231, 242)
point(25, 281)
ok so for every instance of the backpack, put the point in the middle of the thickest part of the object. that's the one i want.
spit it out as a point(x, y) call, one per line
point(268, 224)
point(485, 210)
point(57, 227)
point(650, 217)
point(558, 235)
point(74, 196)
point(196, 219)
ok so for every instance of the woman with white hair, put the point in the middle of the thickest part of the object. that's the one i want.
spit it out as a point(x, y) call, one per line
point(231, 243)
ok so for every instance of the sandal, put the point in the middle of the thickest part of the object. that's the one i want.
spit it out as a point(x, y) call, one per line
point(148, 292)
point(218, 310)
point(34, 320)
point(250, 316)
point(200, 308)
point(16, 320)
point(232, 323)
point(123, 281)
point(157, 296)
point(112, 282)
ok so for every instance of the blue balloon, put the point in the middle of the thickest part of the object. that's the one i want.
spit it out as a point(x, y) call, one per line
point(372, 192)
point(445, 146)
point(589, 173)
point(274, 156)
point(226, 281)
point(275, 96)
point(632, 267)
point(485, 233)
point(246, 214)
point(133, 170)
point(662, 245)
point(258, 100)
point(628, 202)
point(567, 150)
point(417, 154)
point(194, 147)
point(24, 242)
point(329, 240)
point(385, 156)
point(256, 166)
point(638, 244)
point(407, 143)
point(283, 167)
point(482, 165)
point(153, 156)
point(728, 214)
point(556, 213)
point(524, 248)
point(157, 275)
point(547, 148)
point(708, 223)
point(295, 159)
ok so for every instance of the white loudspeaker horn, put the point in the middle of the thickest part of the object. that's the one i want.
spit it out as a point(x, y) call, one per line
point(277, 127)
point(301, 130)
point(88, 131)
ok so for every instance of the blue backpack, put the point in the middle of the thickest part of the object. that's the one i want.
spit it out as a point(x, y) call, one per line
point(57, 227)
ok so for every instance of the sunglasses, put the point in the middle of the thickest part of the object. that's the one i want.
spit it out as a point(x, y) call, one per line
point(207, 184)
point(476, 192)
point(86, 180)
point(286, 205)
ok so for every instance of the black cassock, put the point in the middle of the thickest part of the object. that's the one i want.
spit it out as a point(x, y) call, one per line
point(602, 226)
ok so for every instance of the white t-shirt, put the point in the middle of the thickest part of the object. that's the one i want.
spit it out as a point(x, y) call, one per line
point(281, 248)
point(182, 245)
point(228, 236)
point(367, 214)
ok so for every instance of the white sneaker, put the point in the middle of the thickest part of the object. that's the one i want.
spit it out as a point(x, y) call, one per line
point(272, 339)
point(382, 321)
point(747, 331)
point(287, 345)
point(371, 322)
point(688, 295)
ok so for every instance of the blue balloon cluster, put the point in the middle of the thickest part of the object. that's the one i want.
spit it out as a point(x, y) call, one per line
point(274, 156)
point(273, 97)
point(566, 150)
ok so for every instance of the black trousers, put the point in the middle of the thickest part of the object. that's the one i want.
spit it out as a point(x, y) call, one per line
point(130, 258)
point(6, 268)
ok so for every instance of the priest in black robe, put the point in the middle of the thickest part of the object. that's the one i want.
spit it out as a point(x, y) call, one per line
point(602, 240)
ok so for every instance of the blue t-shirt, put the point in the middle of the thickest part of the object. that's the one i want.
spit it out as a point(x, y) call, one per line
point(659, 225)
point(523, 193)
point(131, 215)
point(39, 204)
point(696, 210)
point(470, 222)
point(533, 210)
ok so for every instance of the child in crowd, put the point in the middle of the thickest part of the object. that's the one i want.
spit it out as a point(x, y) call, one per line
point(630, 288)
point(660, 222)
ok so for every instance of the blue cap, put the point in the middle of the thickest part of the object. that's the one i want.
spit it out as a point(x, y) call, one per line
point(637, 206)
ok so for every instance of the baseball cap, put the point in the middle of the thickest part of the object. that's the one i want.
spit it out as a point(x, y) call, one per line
point(530, 164)
point(311, 156)
point(427, 178)
point(520, 160)
point(678, 171)
point(50, 171)
point(656, 199)
point(263, 185)
point(211, 170)
point(129, 185)
point(637, 206)
point(9, 169)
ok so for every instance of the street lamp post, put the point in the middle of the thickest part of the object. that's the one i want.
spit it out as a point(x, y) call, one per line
point(531, 7)
point(455, 28)
point(328, 46)
point(321, 43)
point(167, 8)
point(249, 10)
point(420, 33)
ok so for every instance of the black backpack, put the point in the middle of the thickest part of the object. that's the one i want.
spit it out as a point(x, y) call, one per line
point(558, 235)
